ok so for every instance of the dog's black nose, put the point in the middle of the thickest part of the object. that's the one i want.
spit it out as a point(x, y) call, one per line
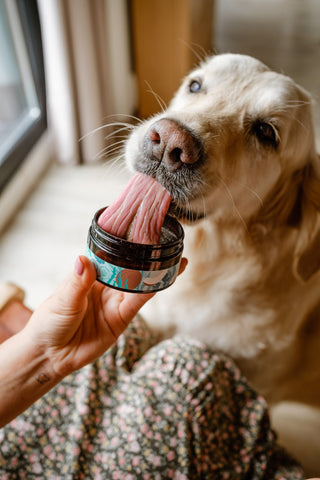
point(173, 144)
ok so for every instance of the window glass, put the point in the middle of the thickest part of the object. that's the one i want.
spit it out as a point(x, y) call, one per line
point(21, 111)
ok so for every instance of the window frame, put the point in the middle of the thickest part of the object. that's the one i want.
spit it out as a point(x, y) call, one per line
point(30, 22)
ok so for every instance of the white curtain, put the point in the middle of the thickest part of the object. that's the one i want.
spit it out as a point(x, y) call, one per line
point(80, 80)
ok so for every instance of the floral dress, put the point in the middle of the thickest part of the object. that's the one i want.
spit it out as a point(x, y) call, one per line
point(149, 411)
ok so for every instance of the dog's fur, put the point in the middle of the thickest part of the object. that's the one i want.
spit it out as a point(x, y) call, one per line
point(251, 208)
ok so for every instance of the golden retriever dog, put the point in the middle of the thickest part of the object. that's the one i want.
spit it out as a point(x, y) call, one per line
point(236, 150)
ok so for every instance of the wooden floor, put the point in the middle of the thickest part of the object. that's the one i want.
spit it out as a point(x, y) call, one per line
point(40, 246)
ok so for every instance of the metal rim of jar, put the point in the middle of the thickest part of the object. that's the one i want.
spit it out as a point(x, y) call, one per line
point(99, 234)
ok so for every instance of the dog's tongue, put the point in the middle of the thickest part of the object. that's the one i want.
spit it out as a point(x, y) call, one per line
point(138, 213)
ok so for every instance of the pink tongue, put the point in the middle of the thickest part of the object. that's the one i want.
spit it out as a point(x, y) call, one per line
point(138, 213)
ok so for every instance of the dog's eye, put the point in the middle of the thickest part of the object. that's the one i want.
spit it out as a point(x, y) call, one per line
point(266, 133)
point(194, 86)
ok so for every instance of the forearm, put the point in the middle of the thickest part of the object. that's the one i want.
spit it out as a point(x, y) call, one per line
point(25, 376)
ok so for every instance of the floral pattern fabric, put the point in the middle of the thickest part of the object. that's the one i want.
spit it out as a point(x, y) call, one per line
point(149, 411)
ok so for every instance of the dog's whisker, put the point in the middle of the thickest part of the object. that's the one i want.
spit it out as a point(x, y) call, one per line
point(111, 149)
point(299, 103)
point(116, 132)
point(204, 206)
point(122, 127)
point(127, 126)
point(122, 124)
point(126, 115)
point(189, 210)
point(106, 155)
point(110, 153)
point(160, 101)
point(118, 163)
point(286, 109)
point(236, 210)
point(201, 55)
point(253, 192)
point(114, 165)
point(119, 141)
point(301, 124)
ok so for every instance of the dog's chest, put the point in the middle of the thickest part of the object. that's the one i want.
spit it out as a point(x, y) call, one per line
point(217, 300)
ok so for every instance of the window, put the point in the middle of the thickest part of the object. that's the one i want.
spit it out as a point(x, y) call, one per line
point(22, 90)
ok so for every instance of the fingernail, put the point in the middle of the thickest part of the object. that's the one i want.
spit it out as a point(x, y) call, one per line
point(78, 266)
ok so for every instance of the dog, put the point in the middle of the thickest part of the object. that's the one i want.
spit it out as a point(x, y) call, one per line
point(236, 150)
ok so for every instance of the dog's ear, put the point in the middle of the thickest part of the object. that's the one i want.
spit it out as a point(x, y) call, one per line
point(307, 252)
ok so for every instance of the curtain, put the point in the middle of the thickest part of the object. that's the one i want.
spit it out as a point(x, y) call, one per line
point(77, 51)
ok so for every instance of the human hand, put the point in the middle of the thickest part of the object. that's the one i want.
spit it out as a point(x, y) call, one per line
point(82, 319)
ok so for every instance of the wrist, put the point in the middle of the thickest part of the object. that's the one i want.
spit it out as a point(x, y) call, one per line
point(26, 375)
point(39, 369)
point(39, 339)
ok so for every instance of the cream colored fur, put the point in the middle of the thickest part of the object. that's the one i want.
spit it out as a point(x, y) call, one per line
point(252, 285)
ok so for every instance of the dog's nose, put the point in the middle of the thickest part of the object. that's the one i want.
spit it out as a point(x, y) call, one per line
point(173, 144)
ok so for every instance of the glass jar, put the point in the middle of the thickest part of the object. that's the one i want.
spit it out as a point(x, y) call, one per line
point(135, 267)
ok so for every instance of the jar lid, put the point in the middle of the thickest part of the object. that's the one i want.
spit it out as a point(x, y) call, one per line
point(171, 241)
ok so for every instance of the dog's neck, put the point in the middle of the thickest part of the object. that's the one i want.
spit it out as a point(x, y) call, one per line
point(278, 216)
point(223, 239)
